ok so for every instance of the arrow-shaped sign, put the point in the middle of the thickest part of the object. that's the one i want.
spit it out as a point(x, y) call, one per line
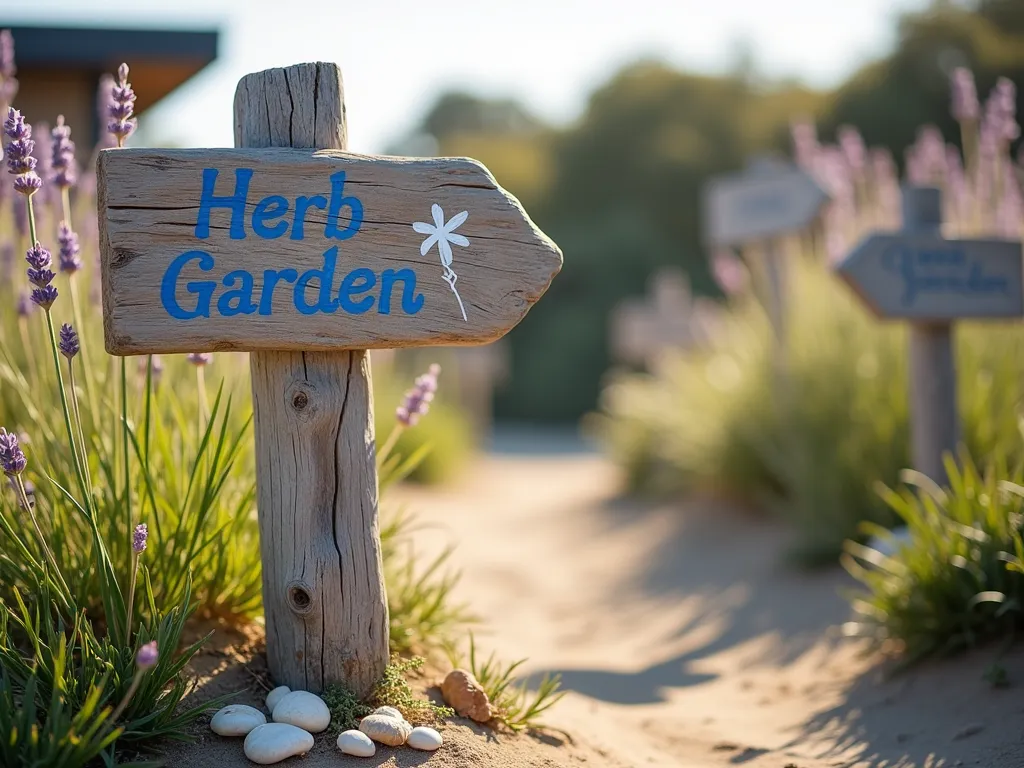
point(924, 277)
point(769, 198)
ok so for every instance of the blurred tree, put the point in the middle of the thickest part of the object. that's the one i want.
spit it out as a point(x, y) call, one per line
point(889, 100)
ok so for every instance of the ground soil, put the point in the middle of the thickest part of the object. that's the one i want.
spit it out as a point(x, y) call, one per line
point(680, 633)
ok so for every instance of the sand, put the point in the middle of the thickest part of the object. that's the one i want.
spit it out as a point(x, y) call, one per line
point(681, 635)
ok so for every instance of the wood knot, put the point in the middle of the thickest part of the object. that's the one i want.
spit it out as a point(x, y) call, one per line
point(300, 598)
point(302, 399)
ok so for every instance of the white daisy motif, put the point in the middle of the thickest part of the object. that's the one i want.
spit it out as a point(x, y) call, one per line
point(443, 234)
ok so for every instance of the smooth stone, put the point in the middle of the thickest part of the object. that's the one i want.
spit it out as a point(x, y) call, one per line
point(386, 730)
point(389, 712)
point(424, 738)
point(274, 742)
point(275, 696)
point(304, 710)
point(236, 720)
point(356, 743)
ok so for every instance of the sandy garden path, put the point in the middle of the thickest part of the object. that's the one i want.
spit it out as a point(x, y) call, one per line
point(684, 639)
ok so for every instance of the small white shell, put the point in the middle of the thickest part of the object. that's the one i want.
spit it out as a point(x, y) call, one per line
point(274, 742)
point(356, 743)
point(304, 710)
point(424, 738)
point(388, 712)
point(386, 730)
point(275, 696)
point(236, 720)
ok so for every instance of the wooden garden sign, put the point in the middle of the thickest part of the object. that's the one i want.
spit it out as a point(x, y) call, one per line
point(306, 256)
point(919, 276)
point(768, 199)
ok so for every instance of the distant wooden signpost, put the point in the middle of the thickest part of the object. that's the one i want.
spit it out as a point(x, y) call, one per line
point(754, 207)
point(306, 256)
point(919, 276)
point(641, 329)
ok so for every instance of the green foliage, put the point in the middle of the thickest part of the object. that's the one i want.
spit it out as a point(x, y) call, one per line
point(812, 446)
point(959, 578)
point(516, 706)
point(394, 690)
point(346, 708)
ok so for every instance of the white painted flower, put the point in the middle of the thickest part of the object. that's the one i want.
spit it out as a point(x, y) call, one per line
point(443, 234)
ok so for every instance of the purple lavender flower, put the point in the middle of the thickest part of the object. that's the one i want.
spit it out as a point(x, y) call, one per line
point(12, 458)
point(158, 367)
point(852, 146)
point(44, 297)
point(199, 359)
point(147, 655)
point(8, 83)
point(20, 146)
point(69, 344)
point(65, 171)
point(6, 260)
point(805, 143)
point(139, 538)
point(24, 305)
point(39, 272)
point(417, 400)
point(122, 107)
point(729, 272)
point(965, 107)
point(1001, 111)
point(69, 250)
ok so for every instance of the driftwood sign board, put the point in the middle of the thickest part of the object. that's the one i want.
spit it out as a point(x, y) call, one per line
point(306, 256)
point(281, 248)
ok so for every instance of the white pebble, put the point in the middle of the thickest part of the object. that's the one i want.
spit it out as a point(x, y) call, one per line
point(388, 712)
point(274, 742)
point(236, 720)
point(424, 738)
point(302, 709)
point(275, 696)
point(356, 743)
point(386, 730)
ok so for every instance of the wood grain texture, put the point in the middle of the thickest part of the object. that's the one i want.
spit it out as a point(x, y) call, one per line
point(317, 492)
point(149, 207)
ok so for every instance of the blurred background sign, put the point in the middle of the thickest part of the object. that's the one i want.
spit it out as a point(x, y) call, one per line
point(771, 197)
point(926, 278)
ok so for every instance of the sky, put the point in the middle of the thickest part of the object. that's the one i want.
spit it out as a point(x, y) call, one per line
point(397, 56)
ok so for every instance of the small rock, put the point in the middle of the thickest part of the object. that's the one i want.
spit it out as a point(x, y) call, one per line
point(968, 730)
point(386, 730)
point(356, 743)
point(424, 738)
point(275, 696)
point(388, 712)
point(464, 694)
point(273, 742)
point(304, 710)
point(236, 720)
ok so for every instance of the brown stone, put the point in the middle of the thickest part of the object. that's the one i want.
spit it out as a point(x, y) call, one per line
point(464, 694)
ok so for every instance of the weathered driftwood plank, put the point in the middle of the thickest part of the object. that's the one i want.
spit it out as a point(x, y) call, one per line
point(316, 473)
point(286, 248)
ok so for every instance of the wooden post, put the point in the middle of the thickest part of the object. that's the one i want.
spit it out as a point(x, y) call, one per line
point(323, 582)
point(306, 256)
point(935, 427)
